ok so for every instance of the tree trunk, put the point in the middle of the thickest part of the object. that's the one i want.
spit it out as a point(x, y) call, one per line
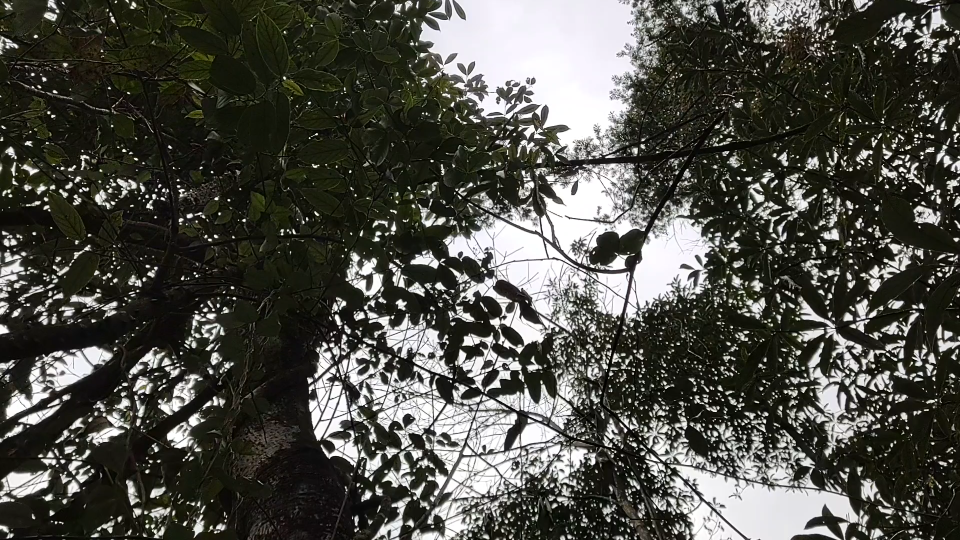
point(307, 494)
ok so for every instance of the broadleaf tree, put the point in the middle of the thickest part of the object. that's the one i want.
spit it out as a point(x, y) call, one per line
point(825, 197)
point(230, 303)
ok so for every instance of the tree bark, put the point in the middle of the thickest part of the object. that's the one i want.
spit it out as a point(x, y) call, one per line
point(307, 497)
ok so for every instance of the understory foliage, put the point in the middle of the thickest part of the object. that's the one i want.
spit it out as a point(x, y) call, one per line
point(820, 350)
point(219, 216)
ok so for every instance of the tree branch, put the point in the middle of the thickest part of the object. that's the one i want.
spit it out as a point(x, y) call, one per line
point(674, 154)
point(84, 394)
point(65, 100)
point(46, 339)
point(137, 232)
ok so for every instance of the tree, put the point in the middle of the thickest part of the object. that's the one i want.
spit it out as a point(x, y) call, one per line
point(673, 398)
point(218, 197)
point(815, 152)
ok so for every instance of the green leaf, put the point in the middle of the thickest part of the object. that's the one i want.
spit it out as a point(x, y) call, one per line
point(318, 80)
point(424, 274)
point(281, 131)
point(273, 48)
point(863, 25)
point(28, 15)
point(54, 152)
point(327, 53)
point(811, 295)
point(511, 335)
point(821, 123)
point(248, 9)
point(123, 126)
point(471, 393)
point(387, 55)
point(860, 105)
point(855, 490)
point(223, 16)
point(333, 23)
point(323, 201)
point(66, 217)
point(951, 15)
point(15, 514)
point(233, 76)
point(896, 285)
point(251, 52)
point(257, 125)
point(325, 152)
point(317, 119)
point(282, 14)
point(531, 380)
point(937, 304)
point(187, 6)
point(528, 313)
point(203, 41)
point(176, 531)
point(79, 274)
point(269, 326)
point(549, 382)
point(292, 86)
point(460, 12)
point(195, 70)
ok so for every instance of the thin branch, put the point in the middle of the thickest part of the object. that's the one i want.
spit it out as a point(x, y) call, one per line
point(64, 100)
point(673, 154)
point(46, 339)
point(85, 394)
point(136, 232)
point(173, 200)
point(570, 260)
point(635, 259)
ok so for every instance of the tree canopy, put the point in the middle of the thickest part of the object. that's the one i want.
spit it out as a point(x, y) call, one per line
point(233, 307)
point(206, 200)
point(823, 182)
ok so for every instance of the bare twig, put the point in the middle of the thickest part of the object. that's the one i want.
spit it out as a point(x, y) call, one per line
point(64, 100)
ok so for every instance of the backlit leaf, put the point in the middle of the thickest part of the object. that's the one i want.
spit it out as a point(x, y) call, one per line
point(80, 273)
point(66, 217)
point(325, 152)
point(223, 16)
point(273, 48)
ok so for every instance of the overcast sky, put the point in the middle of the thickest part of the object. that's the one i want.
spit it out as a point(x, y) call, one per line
point(571, 47)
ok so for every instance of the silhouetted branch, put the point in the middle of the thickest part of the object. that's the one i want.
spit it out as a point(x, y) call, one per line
point(46, 339)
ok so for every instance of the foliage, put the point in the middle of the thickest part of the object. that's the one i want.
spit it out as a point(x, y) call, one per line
point(827, 194)
point(694, 406)
point(184, 180)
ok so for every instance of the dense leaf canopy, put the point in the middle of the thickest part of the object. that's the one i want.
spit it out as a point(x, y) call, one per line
point(185, 183)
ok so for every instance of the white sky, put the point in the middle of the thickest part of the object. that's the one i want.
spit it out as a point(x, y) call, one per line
point(571, 47)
